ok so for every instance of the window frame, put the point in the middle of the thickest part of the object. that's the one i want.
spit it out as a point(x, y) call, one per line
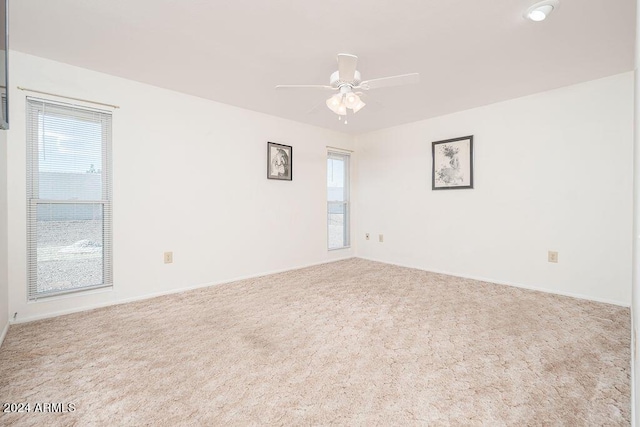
point(35, 109)
point(346, 203)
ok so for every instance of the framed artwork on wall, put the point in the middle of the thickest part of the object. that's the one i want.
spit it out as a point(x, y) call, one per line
point(279, 161)
point(452, 163)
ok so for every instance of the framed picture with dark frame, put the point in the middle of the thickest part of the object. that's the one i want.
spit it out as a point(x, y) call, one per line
point(279, 161)
point(452, 163)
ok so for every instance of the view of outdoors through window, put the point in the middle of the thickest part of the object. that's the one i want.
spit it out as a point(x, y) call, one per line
point(338, 200)
point(69, 249)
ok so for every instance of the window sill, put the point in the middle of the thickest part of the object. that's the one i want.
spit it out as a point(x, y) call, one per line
point(71, 294)
point(340, 248)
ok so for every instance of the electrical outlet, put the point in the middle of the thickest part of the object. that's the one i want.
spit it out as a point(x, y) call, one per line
point(168, 257)
point(380, 238)
point(553, 256)
point(366, 236)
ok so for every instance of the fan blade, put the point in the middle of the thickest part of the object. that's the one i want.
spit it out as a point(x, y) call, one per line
point(375, 103)
point(347, 67)
point(403, 79)
point(323, 87)
point(317, 107)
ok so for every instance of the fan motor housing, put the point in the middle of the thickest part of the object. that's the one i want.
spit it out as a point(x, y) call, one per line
point(336, 82)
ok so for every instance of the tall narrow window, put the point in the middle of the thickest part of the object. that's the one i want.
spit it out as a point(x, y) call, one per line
point(69, 198)
point(338, 200)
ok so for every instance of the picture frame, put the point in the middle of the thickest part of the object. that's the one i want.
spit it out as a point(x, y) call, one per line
point(279, 161)
point(452, 164)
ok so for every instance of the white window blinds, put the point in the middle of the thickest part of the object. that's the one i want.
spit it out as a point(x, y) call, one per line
point(338, 209)
point(68, 197)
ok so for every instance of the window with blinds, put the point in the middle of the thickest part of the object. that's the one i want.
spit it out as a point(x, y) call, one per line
point(338, 200)
point(68, 198)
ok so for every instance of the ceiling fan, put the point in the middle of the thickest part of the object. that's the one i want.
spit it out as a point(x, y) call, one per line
point(348, 84)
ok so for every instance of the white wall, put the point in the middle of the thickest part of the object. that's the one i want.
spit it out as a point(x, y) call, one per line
point(4, 284)
point(553, 171)
point(189, 177)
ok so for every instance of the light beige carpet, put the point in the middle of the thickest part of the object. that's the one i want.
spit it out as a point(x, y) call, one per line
point(349, 343)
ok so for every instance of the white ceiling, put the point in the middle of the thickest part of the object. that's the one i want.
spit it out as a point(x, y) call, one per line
point(468, 52)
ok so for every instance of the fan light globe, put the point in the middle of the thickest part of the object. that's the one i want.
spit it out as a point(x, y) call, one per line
point(330, 105)
point(351, 100)
point(342, 110)
point(359, 106)
point(335, 102)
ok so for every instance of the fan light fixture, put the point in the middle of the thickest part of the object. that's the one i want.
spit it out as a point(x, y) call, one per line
point(540, 11)
point(339, 103)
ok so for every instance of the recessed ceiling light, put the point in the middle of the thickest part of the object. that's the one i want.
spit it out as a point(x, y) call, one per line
point(540, 11)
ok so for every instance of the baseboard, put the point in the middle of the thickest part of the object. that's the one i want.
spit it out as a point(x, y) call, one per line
point(168, 292)
point(500, 282)
point(4, 333)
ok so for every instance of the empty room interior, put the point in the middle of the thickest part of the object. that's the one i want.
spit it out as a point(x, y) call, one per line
point(319, 213)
